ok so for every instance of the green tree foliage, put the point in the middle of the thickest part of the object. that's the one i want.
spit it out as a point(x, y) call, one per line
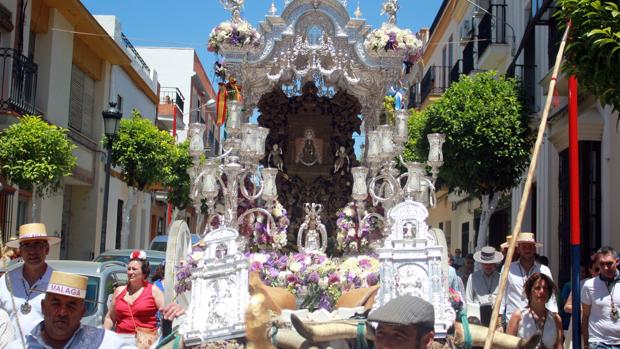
point(176, 178)
point(593, 48)
point(414, 148)
point(36, 154)
point(142, 151)
point(488, 138)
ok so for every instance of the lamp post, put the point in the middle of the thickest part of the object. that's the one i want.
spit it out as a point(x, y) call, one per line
point(111, 120)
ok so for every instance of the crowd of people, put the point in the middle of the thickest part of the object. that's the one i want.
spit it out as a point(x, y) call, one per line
point(42, 308)
point(531, 297)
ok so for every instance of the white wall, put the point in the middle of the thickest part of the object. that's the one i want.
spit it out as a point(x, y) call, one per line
point(175, 68)
point(133, 97)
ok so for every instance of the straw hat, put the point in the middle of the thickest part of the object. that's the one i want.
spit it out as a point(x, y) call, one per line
point(488, 255)
point(32, 232)
point(67, 284)
point(507, 243)
point(528, 238)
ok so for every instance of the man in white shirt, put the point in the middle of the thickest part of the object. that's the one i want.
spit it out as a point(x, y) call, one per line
point(63, 308)
point(26, 284)
point(482, 284)
point(519, 272)
point(600, 304)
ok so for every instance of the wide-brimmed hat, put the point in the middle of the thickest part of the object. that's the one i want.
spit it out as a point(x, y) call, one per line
point(528, 238)
point(67, 284)
point(507, 243)
point(32, 232)
point(488, 255)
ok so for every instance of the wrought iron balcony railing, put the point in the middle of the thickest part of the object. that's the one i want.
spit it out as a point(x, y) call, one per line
point(135, 53)
point(18, 82)
point(436, 81)
point(171, 95)
point(492, 28)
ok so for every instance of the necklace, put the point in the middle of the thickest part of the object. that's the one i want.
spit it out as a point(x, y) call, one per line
point(26, 308)
point(524, 276)
point(614, 311)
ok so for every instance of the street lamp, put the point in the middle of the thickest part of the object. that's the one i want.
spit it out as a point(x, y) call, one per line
point(111, 120)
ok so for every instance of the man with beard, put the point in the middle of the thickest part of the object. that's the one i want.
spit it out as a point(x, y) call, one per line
point(63, 308)
point(22, 292)
point(520, 270)
point(405, 322)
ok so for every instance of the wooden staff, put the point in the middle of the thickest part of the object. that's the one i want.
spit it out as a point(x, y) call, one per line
point(526, 190)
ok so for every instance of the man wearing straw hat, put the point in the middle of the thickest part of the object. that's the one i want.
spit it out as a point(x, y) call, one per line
point(482, 284)
point(519, 272)
point(23, 288)
point(63, 308)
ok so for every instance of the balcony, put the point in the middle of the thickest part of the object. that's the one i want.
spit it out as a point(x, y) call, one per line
point(493, 48)
point(435, 82)
point(18, 82)
point(170, 109)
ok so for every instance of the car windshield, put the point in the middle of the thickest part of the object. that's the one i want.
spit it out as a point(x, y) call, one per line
point(92, 293)
point(158, 245)
point(153, 261)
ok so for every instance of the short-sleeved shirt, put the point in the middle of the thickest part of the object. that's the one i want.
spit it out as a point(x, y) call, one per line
point(601, 327)
point(514, 298)
point(24, 292)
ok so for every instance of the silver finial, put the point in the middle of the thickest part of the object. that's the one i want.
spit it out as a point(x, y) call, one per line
point(390, 7)
point(273, 10)
point(358, 11)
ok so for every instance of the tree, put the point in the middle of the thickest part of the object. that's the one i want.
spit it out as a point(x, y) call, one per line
point(417, 124)
point(177, 178)
point(593, 49)
point(143, 152)
point(488, 139)
point(36, 155)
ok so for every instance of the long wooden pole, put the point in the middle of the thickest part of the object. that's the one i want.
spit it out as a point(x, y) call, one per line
point(526, 191)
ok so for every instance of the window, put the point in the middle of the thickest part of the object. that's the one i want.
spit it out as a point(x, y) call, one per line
point(465, 239)
point(81, 101)
point(590, 203)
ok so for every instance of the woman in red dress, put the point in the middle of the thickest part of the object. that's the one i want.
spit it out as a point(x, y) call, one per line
point(136, 304)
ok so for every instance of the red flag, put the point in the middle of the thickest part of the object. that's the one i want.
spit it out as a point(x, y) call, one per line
point(220, 104)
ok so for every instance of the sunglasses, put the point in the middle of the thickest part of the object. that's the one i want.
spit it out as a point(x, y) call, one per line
point(607, 264)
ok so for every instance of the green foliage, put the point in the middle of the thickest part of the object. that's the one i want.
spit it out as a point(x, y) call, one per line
point(414, 148)
point(33, 152)
point(142, 151)
point(593, 48)
point(488, 138)
point(176, 176)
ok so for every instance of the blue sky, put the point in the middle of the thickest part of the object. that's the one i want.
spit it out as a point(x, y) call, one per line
point(187, 23)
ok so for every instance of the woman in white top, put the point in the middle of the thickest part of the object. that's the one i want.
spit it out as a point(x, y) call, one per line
point(536, 317)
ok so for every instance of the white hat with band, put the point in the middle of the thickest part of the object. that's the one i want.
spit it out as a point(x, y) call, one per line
point(67, 284)
point(32, 232)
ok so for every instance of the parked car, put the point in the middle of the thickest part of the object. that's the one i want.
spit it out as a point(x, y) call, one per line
point(160, 242)
point(102, 277)
point(155, 258)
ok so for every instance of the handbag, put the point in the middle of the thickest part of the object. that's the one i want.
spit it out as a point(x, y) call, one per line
point(145, 337)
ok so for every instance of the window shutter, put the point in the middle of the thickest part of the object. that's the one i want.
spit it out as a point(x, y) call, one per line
point(75, 98)
point(87, 106)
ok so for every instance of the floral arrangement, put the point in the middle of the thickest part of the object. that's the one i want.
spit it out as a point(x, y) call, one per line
point(254, 228)
point(350, 239)
point(391, 38)
point(359, 271)
point(312, 277)
point(184, 269)
point(235, 33)
point(316, 280)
